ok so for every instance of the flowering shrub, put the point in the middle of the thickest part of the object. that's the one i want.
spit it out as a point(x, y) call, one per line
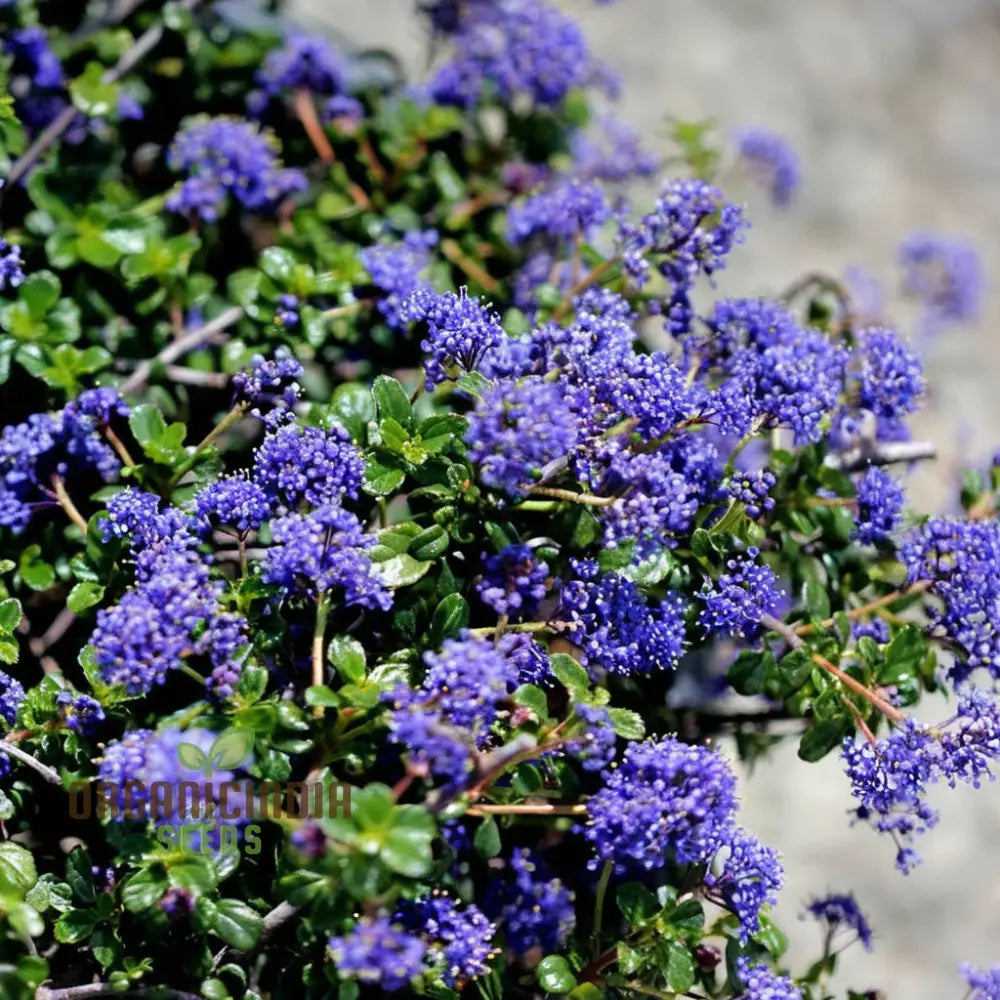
point(390, 518)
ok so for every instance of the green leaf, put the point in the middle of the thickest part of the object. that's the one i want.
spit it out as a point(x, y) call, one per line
point(237, 924)
point(232, 748)
point(679, 972)
point(816, 598)
point(400, 571)
point(348, 656)
point(394, 435)
point(76, 925)
point(391, 399)
point(35, 572)
point(555, 975)
point(354, 408)
point(91, 94)
point(279, 264)
point(382, 479)
point(193, 873)
point(430, 543)
point(637, 904)
point(17, 870)
point(80, 876)
point(39, 293)
point(143, 890)
point(407, 850)
point(487, 838)
point(147, 424)
point(533, 698)
point(627, 724)
point(450, 617)
point(10, 614)
point(750, 670)
point(83, 596)
point(373, 806)
point(569, 673)
point(690, 915)
point(821, 737)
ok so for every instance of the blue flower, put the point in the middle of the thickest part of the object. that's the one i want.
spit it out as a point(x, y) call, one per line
point(376, 950)
point(880, 505)
point(840, 912)
point(513, 581)
point(771, 161)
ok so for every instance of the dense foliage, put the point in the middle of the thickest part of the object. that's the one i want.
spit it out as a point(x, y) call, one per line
point(360, 438)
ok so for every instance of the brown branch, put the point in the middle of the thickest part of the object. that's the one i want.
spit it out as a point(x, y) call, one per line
point(588, 499)
point(50, 775)
point(463, 262)
point(66, 502)
point(866, 609)
point(888, 453)
point(104, 990)
point(526, 809)
point(795, 642)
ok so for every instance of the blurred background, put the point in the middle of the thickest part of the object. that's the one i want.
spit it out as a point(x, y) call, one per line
point(894, 109)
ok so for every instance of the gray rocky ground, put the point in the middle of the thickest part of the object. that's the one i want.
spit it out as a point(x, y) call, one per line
point(895, 108)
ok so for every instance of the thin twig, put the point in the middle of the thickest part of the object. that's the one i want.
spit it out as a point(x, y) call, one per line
point(463, 262)
point(62, 621)
point(526, 809)
point(587, 499)
point(551, 626)
point(51, 134)
point(180, 346)
point(50, 775)
point(66, 502)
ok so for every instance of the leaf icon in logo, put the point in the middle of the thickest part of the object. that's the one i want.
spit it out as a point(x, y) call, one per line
point(231, 748)
point(192, 757)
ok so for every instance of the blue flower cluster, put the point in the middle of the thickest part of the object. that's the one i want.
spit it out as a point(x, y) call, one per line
point(562, 212)
point(890, 780)
point(232, 502)
point(880, 505)
point(616, 627)
point(984, 983)
point(304, 62)
point(512, 48)
point(11, 696)
point(461, 332)
point(771, 161)
point(750, 879)
point(11, 265)
point(736, 600)
point(271, 384)
point(665, 800)
point(514, 581)
point(376, 950)
point(323, 552)
point(945, 275)
point(534, 910)
point(80, 712)
point(226, 158)
point(960, 558)
point(395, 270)
point(840, 912)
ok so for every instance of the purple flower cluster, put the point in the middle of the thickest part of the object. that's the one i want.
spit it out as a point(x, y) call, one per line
point(232, 502)
point(377, 950)
point(443, 721)
point(596, 744)
point(80, 712)
point(54, 444)
point(395, 270)
point(984, 983)
point(616, 627)
point(614, 153)
point(296, 464)
point(460, 938)
point(11, 265)
point(880, 506)
point(11, 696)
point(890, 781)
point(771, 161)
point(512, 48)
point(945, 275)
point(734, 602)
point(462, 333)
point(37, 78)
point(518, 427)
point(666, 800)
point(304, 62)
point(891, 381)
point(961, 557)
point(322, 552)
point(840, 912)
point(513, 581)
point(134, 514)
point(534, 910)
point(566, 210)
point(753, 490)
point(270, 384)
point(761, 983)
point(690, 232)
point(223, 158)
point(750, 879)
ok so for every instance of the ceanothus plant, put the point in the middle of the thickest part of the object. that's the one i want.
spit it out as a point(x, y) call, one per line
point(371, 473)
